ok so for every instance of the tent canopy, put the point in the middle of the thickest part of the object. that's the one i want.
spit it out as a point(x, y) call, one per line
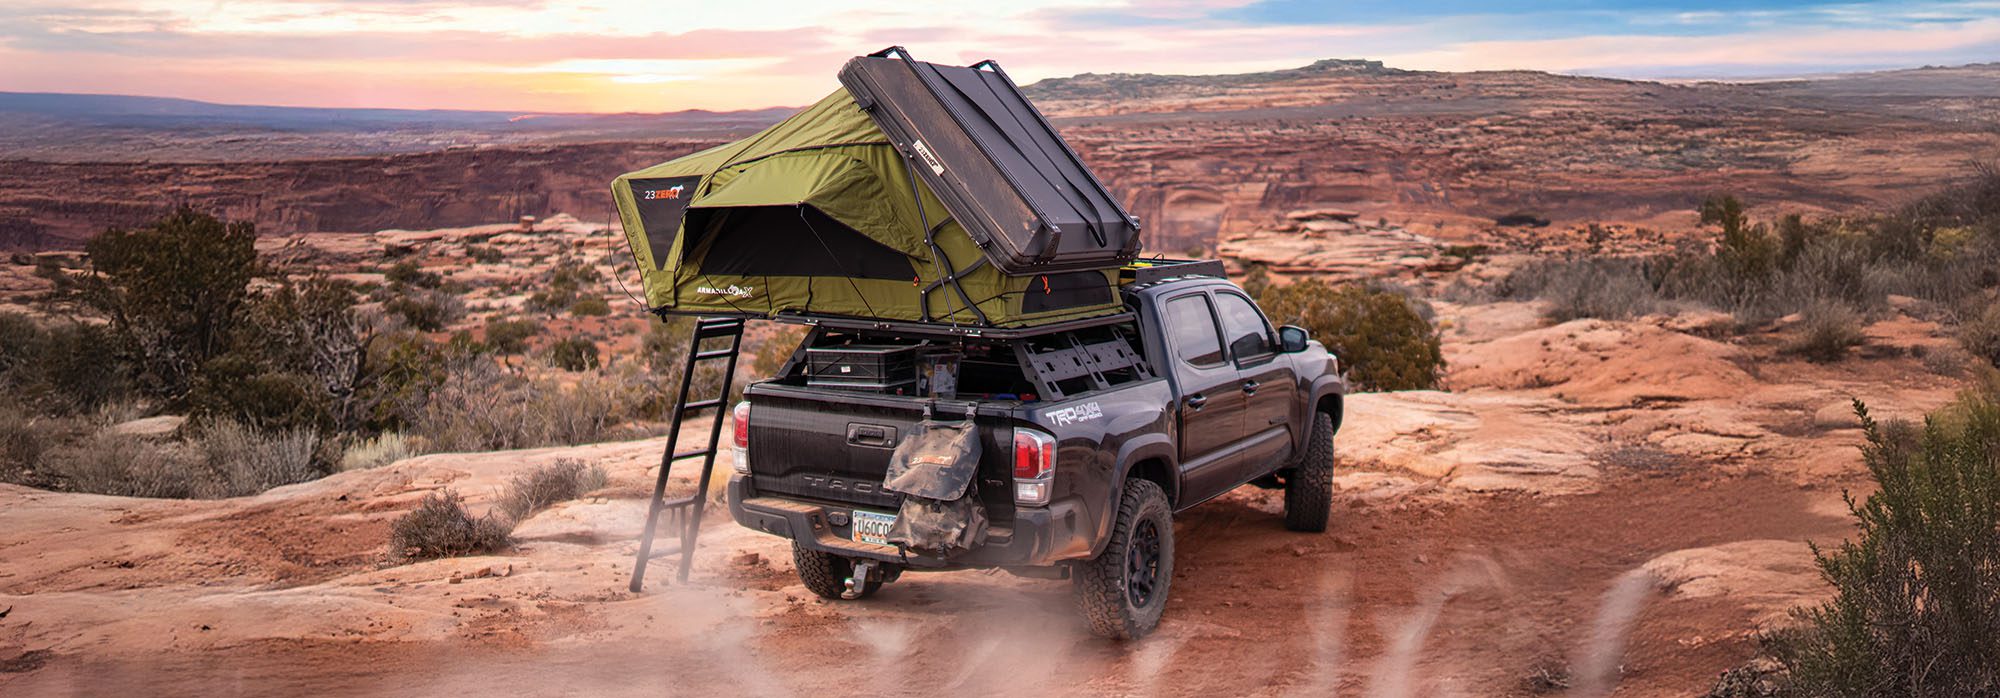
point(820, 215)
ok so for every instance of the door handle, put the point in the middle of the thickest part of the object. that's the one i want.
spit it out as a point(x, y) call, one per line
point(1196, 401)
point(873, 435)
point(1250, 387)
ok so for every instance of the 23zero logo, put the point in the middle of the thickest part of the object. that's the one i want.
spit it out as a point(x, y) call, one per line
point(669, 193)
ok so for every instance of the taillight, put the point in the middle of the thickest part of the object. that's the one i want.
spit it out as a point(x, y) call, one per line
point(741, 417)
point(1034, 466)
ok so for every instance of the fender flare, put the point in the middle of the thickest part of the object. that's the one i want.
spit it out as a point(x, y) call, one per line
point(1154, 446)
point(1329, 386)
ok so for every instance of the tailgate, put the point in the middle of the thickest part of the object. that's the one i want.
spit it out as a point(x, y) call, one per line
point(834, 446)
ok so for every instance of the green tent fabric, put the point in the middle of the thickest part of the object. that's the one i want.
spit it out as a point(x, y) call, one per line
point(817, 215)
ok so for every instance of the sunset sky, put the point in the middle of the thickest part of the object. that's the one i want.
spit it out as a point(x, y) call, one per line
point(663, 55)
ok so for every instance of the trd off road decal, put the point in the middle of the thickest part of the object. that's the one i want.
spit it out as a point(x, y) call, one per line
point(1075, 413)
point(661, 204)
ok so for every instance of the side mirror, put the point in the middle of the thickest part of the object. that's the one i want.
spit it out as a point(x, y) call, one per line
point(1292, 338)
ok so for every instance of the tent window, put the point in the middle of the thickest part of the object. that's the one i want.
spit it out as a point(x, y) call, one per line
point(792, 241)
point(1071, 290)
point(660, 203)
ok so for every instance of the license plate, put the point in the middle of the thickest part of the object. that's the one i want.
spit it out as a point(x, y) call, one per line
point(870, 527)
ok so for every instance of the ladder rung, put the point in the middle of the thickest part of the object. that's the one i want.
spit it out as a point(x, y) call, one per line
point(724, 329)
point(677, 502)
point(702, 404)
point(715, 354)
point(693, 453)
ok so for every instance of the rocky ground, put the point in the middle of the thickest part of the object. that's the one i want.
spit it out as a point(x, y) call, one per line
point(1443, 154)
point(1592, 504)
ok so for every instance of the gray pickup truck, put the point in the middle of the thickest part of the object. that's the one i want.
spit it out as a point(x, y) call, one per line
point(1090, 436)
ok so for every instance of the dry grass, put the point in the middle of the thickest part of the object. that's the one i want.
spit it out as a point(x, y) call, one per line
point(1980, 333)
point(224, 459)
point(440, 527)
point(1588, 287)
point(383, 449)
point(247, 461)
point(1826, 330)
point(130, 467)
point(24, 437)
point(545, 486)
point(482, 408)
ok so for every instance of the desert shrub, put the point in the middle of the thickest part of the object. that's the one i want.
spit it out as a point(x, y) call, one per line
point(312, 328)
point(665, 344)
point(564, 286)
point(234, 388)
point(542, 487)
point(1747, 251)
point(403, 369)
point(663, 350)
point(509, 337)
point(409, 273)
point(247, 461)
point(440, 527)
point(379, 450)
point(1916, 610)
point(21, 443)
point(61, 367)
point(1384, 343)
point(1825, 331)
point(590, 307)
point(1980, 333)
point(1587, 287)
point(478, 407)
point(485, 254)
point(426, 310)
point(773, 350)
point(171, 292)
point(126, 466)
point(25, 438)
point(1256, 279)
point(573, 354)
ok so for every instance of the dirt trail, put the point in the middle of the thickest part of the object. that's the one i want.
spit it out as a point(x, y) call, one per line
point(1502, 585)
point(1479, 536)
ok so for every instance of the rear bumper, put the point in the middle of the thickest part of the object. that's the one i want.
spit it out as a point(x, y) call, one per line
point(1037, 537)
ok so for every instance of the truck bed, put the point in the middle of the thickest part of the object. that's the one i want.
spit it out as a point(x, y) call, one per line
point(833, 445)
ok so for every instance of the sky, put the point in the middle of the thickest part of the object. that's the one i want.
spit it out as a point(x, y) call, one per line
point(667, 55)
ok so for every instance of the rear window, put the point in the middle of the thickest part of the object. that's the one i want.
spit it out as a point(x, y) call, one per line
point(1191, 324)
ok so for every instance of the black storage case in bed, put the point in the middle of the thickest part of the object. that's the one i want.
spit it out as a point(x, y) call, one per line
point(875, 368)
point(999, 167)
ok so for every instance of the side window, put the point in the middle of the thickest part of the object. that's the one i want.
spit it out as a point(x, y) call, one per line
point(1191, 327)
point(1248, 334)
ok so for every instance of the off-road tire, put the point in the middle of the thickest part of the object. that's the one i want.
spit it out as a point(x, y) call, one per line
point(1102, 586)
point(826, 574)
point(1309, 488)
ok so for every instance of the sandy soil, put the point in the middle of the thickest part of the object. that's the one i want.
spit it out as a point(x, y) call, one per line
point(1617, 506)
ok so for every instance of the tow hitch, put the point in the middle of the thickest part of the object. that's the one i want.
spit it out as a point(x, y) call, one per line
point(864, 571)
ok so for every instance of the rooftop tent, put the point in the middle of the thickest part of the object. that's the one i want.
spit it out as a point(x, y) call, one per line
point(819, 214)
point(1004, 172)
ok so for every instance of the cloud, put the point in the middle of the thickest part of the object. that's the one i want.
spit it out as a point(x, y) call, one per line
point(1770, 51)
point(618, 55)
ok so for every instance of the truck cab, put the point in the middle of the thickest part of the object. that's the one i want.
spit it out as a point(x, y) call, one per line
point(1090, 435)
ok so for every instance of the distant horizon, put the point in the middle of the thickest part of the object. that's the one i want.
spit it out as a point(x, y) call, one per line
point(635, 56)
point(1664, 79)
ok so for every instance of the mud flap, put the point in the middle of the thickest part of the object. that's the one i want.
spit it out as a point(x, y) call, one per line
point(934, 470)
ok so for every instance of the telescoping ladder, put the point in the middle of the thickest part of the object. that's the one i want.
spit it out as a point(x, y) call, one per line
point(685, 512)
